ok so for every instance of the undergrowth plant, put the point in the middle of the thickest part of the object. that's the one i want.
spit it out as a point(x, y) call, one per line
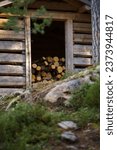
point(34, 126)
point(86, 103)
point(28, 127)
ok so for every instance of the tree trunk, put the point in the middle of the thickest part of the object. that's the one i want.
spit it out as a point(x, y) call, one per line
point(95, 10)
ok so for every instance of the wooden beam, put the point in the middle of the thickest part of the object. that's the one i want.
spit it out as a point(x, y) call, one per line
point(58, 16)
point(10, 81)
point(79, 61)
point(12, 35)
point(82, 38)
point(82, 50)
point(5, 2)
point(28, 51)
point(69, 44)
point(9, 46)
point(8, 58)
point(76, 4)
point(63, 16)
point(53, 6)
point(82, 27)
point(84, 9)
point(11, 70)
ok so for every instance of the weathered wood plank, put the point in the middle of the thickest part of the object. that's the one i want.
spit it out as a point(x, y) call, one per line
point(11, 70)
point(20, 23)
point(57, 15)
point(84, 50)
point(53, 5)
point(64, 16)
point(82, 30)
point(79, 61)
point(82, 27)
point(9, 81)
point(5, 91)
point(9, 58)
point(69, 44)
point(11, 46)
point(83, 38)
point(5, 2)
point(28, 51)
point(74, 3)
point(11, 35)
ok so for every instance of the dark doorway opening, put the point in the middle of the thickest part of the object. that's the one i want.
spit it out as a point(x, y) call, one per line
point(48, 52)
point(52, 43)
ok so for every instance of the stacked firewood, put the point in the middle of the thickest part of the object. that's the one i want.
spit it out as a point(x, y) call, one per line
point(48, 68)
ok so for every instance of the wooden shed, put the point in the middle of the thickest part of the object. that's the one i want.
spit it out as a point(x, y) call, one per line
point(70, 35)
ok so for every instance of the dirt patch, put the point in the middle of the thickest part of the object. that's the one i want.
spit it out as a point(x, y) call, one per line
point(89, 139)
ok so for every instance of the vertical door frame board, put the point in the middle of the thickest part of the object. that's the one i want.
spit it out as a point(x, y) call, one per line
point(28, 52)
point(69, 44)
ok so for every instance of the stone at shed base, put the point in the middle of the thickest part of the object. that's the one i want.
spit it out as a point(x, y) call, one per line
point(71, 148)
point(64, 89)
point(69, 136)
point(68, 125)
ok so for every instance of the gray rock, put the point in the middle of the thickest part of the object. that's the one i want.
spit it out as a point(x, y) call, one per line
point(70, 147)
point(62, 90)
point(69, 136)
point(68, 125)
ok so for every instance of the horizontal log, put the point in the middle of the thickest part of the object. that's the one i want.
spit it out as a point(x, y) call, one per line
point(10, 46)
point(82, 38)
point(57, 15)
point(82, 30)
point(53, 6)
point(9, 58)
point(63, 16)
point(9, 81)
point(5, 2)
point(11, 35)
point(3, 21)
point(82, 27)
point(79, 61)
point(83, 50)
point(11, 70)
point(5, 91)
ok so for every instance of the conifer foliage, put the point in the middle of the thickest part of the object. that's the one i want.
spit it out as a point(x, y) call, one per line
point(19, 9)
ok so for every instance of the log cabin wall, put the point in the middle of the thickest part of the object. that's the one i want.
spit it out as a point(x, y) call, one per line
point(15, 48)
point(12, 58)
point(82, 44)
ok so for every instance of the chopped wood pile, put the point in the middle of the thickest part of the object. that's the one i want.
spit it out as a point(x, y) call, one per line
point(48, 69)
